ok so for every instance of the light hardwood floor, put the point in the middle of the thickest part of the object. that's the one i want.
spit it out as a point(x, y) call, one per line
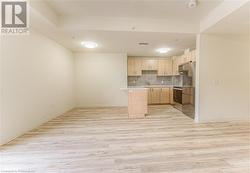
point(104, 140)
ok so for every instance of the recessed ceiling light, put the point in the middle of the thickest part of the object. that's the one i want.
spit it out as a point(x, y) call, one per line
point(163, 50)
point(89, 44)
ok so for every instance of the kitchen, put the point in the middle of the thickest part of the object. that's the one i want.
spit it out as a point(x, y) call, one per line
point(162, 81)
point(125, 86)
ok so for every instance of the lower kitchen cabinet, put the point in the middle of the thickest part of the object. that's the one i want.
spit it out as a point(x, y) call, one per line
point(165, 96)
point(154, 95)
point(159, 96)
point(171, 95)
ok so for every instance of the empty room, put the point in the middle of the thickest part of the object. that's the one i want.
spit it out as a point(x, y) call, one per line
point(125, 86)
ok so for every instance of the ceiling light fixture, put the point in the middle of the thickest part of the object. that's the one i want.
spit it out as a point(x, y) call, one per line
point(163, 50)
point(89, 44)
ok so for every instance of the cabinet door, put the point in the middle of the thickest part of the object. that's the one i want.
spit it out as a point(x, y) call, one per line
point(161, 67)
point(175, 65)
point(145, 64)
point(150, 96)
point(193, 55)
point(134, 66)
point(131, 68)
point(138, 66)
point(165, 67)
point(150, 64)
point(181, 60)
point(153, 64)
point(184, 58)
point(171, 95)
point(169, 67)
point(155, 95)
point(165, 96)
point(188, 57)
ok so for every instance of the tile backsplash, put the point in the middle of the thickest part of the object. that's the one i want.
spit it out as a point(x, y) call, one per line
point(182, 80)
point(149, 77)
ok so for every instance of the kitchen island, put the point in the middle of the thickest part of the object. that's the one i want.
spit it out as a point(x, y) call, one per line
point(137, 102)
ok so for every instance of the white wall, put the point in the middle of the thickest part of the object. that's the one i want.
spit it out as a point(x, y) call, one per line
point(99, 79)
point(223, 78)
point(1, 92)
point(249, 56)
point(37, 83)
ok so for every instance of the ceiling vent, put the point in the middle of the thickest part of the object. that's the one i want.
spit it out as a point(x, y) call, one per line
point(143, 44)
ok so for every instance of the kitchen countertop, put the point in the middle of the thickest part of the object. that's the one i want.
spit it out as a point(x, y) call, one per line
point(185, 86)
point(156, 86)
point(152, 86)
point(134, 88)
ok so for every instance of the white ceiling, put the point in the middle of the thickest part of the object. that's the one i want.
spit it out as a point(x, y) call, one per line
point(236, 23)
point(127, 42)
point(156, 9)
point(161, 23)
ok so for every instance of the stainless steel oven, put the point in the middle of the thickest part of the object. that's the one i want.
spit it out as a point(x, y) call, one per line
point(184, 100)
point(177, 92)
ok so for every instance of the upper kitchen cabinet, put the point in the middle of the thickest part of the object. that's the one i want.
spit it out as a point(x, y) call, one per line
point(149, 64)
point(193, 55)
point(190, 56)
point(185, 58)
point(177, 60)
point(165, 67)
point(134, 66)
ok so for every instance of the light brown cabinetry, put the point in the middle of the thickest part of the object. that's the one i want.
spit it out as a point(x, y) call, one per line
point(178, 60)
point(137, 103)
point(165, 96)
point(134, 66)
point(171, 95)
point(165, 67)
point(193, 55)
point(185, 58)
point(149, 64)
point(154, 95)
point(159, 96)
point(190, 56)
